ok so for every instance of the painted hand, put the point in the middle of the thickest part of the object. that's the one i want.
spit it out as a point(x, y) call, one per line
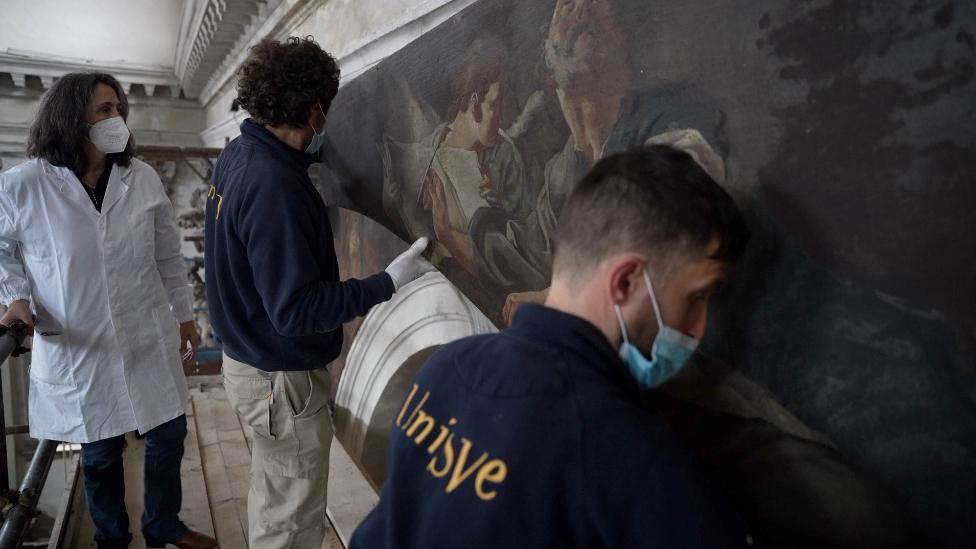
point(437, 200)
point(392, 194)
point(489, 190)
point(457, 242)
point(517, 299)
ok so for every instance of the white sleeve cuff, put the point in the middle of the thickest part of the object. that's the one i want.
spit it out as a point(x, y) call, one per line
point(181, 299)
point(11, 291)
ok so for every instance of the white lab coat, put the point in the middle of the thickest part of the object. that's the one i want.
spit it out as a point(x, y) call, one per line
point(113, 282)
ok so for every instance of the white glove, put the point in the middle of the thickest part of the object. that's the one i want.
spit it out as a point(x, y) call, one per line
point(409, 265)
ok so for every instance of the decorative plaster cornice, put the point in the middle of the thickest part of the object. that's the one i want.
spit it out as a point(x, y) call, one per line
point(13, 137)
point(275, 24)
point(214, 29)
point(21, 64)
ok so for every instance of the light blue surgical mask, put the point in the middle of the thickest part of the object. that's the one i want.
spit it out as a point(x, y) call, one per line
point(669, 353)
point(317, 138)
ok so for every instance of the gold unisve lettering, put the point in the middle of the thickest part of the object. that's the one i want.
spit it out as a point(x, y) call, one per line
point(448, 459)
point(406, 404)
point(418, 426)
point(495, 472)
point(441, 436)
point(212, 194)
point(422, 418)
point(415, 410)
point(460, 473)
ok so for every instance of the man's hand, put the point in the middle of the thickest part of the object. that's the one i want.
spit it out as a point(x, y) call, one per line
point(517, 299)
point(19, 311)
point(189, 341)
point(410, 265)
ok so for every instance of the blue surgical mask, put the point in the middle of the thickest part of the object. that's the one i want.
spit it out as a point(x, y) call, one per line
point(317, 138)
point(669, 353)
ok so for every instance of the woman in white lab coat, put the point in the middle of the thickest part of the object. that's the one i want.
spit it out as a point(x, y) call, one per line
point(90, 259)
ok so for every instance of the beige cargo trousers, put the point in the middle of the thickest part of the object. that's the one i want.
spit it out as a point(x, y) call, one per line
point(292, 426)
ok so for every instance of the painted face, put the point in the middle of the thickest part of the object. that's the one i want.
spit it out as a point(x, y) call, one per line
point(104, 104)
point(491, 116)
point(683, 297)
point(581, 34)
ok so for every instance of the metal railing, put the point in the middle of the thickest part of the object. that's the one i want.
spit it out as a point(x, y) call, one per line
point(19, 507)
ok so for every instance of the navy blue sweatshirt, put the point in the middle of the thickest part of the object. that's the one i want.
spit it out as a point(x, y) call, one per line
point(535, 437)
point(273, 286)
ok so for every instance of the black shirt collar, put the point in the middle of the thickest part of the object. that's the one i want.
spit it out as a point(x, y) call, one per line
point(567, 333)
point(97, 195)
point(258, 134)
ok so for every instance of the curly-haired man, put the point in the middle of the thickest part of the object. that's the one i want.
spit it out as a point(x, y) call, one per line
point(273, 289)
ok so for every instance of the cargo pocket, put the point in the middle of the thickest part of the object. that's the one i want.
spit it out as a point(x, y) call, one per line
point(293, 494)
point(306, 391)
point(292, 466)
point(251, 399)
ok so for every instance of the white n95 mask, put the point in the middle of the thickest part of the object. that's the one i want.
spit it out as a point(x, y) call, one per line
point(109, 135)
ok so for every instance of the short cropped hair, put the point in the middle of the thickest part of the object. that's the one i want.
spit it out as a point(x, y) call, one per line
point(654, 200)
point(60, 128)
point(280, 82)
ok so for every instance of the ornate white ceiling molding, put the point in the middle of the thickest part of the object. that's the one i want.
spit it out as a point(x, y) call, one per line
point(213, 29)
point(21, 64)
point(279, 15)
point(292, 13)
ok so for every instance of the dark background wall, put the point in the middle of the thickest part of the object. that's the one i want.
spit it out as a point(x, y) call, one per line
point(850, 140)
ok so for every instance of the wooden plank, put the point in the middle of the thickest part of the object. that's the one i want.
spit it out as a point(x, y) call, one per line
point(195, 511)
point(237, 455)
point(332, 540)
point(230, 531)
point(84, 536)
point(66, 524)
point(351, 497)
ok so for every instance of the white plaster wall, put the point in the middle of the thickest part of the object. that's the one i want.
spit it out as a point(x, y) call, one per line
point(16, 112)
point(344, 27)
point(359, 33)
point(142, 32)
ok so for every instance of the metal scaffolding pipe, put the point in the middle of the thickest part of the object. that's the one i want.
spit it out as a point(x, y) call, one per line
point(11, 339)
point(20, 515)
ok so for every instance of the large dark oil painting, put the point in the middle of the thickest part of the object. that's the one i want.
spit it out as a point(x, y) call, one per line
point(845, 131)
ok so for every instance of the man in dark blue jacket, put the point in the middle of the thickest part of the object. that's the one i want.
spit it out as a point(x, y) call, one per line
point(535, 437)
point(276, 302)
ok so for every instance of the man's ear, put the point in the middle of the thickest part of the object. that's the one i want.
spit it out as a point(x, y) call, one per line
point(473, 101)
point(625, 277)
